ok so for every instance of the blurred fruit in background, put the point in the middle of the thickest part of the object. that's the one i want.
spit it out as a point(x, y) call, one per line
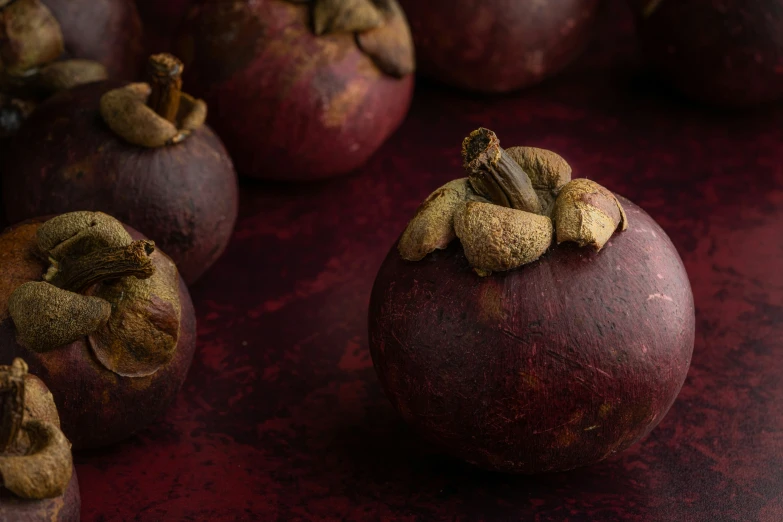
point(497, 45)
point(727, 52)
point(299, 90)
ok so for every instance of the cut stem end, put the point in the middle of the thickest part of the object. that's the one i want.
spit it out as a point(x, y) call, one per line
point(165, 73)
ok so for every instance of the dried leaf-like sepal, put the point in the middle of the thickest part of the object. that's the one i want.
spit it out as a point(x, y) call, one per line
point(142, 332)
point(548, 172)
point(67, 74)
point(390, 45)
point(587, 214)
point(126, 112)
point(29, 37)
point(39, 401)
point(432, 227)
point(77, 233)
point(47, 317)
point(497, 238)
point(44, 469)
point(345, 16)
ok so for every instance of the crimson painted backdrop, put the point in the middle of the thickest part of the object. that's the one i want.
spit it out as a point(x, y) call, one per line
point(282, 417)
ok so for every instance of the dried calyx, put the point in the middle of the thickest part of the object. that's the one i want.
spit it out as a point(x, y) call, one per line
point(157, 113)
point(380, 28)
point(30, 43)
point(503, 211)
point(102, 285)
point(35, 456)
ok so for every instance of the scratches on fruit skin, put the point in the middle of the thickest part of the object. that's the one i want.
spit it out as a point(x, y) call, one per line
point(660, 296)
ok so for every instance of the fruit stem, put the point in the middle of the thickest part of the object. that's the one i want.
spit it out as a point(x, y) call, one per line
point(495, 175)
point(165, 72)
point(78, 273)
point(11, 403)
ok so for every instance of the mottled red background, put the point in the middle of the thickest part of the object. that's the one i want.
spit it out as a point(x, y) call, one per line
point(282, 417)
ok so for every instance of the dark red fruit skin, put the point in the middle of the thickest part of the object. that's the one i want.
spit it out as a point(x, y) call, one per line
point(555, 365)
point(107, 31)
point(727, 52)
point(497, 45)
point(65, 508)
point(65, 158)
point(97, 407)
point(288, 104)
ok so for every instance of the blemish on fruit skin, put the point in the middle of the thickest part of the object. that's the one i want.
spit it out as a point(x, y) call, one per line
point(530, 381)
point(491, 304)
point(566, 438)
point(604, 409)
point(659, 296)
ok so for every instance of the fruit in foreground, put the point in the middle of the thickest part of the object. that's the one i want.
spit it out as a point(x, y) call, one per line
point(36, 469)
point(556, 332)
point(101, 316)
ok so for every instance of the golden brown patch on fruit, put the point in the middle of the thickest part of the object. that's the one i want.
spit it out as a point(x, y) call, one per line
point(491, 304)
point(341, 106)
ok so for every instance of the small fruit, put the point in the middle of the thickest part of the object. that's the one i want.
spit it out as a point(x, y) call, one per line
point(542, 357)
point(498, 45)
point(140, 152)
point(102, 316)
point(36, 468)
point(300, 89)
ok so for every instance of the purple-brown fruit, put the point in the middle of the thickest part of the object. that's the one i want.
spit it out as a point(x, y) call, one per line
point(106, 31)
point(297, 89)
point(101, 316)
point(37, 479)
point(497, 45)
point(727, 52)
point(175, 184)
point(557, 364)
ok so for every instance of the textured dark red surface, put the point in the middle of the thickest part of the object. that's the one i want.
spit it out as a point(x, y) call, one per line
point(282, 417)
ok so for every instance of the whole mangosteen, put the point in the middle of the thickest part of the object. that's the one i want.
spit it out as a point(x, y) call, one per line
point(300, 89)
point(36, 469)
point(101, 316)
point(517, 354)
point(497, 45)
point(140, 152)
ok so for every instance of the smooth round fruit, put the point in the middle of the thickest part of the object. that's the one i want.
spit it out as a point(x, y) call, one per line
point(183, 196)
point(497, 45)
point(289, 105)
point(726, 52)
point(97, 407)
point(558, 364)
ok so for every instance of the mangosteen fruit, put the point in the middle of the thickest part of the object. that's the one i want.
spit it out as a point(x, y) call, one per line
point(300, 89)
point(101, 316)
point(497, 46)
point(725, 53)
point(556, 332)
point(36, 468)
point(140, 152)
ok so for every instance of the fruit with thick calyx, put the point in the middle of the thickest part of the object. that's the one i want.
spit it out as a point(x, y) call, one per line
point(36, 468)
point(101, 316)
point(140, 152)
point(556, 332)
point(725, 53)
point(498, 45)
point(300, 89)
